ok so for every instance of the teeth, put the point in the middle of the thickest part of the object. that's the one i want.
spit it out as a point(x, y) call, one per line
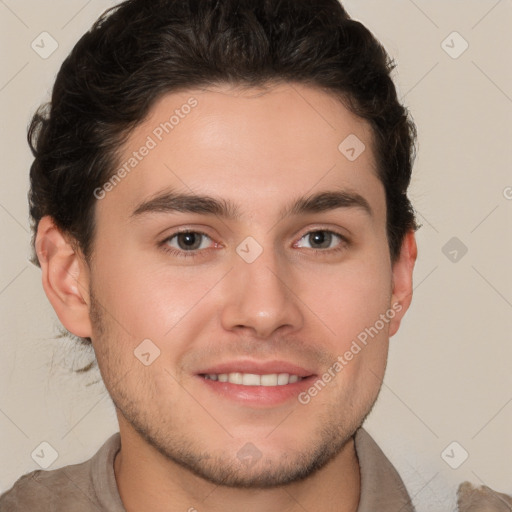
point(269, 380)
point(252, 379)
point(235, 378)
point(282, 379)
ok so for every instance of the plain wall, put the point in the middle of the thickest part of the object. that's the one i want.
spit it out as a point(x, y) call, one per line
point(449, 372)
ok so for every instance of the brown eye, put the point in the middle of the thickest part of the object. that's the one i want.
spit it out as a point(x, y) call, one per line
point(188, 241)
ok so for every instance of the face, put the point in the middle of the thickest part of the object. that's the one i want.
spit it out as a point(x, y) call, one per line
point(250, 253)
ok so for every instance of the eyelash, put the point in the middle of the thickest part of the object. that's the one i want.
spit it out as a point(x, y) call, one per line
point(200, 252)
point(182, 254)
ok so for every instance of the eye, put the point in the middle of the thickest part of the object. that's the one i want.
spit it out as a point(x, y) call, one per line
point(187, 241)
point(321, 239)
point(193, 243)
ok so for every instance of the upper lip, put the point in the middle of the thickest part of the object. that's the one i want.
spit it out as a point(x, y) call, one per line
point(257, 368)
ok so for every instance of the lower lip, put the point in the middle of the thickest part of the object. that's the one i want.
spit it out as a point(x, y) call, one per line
point(258, 395)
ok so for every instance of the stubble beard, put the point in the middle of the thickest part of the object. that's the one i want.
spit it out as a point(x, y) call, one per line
point(335, 429)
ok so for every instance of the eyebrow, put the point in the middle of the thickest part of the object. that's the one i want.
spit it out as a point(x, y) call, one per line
point(172, 202)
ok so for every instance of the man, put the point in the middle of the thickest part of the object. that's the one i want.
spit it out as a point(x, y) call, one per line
point(219, 205)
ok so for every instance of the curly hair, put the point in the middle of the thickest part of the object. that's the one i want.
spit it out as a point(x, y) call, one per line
point(138, 51)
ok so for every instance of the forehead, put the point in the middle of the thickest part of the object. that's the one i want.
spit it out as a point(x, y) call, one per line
point(251, 146)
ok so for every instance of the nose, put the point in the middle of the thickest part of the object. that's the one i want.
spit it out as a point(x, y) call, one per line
point(260, 298)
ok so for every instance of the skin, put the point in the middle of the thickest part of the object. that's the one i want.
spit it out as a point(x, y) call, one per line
point(296, 302)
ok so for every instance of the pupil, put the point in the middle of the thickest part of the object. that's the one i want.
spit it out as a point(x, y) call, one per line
point(321, 238)
point(188, 240)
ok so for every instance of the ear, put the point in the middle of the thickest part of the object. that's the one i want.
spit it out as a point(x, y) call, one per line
point(402, 280)
point(65, 276)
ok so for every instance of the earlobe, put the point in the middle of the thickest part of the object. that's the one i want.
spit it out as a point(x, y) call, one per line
point(65, 278)
point(402, 280)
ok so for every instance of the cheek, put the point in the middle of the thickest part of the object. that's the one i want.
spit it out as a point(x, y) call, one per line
point(150, 301)
point(352, 302)
point(349, 299)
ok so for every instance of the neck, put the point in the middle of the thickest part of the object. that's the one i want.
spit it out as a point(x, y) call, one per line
point(147, 480)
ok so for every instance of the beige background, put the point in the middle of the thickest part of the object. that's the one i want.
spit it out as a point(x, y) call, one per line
point(449, 373)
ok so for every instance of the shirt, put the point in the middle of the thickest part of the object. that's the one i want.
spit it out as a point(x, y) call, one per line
point(91, 485)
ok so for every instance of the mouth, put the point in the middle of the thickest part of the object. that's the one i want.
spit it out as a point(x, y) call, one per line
point(253, 379)
point(256, 384)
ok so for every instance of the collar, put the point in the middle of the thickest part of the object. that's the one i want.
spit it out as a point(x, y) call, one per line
point(382, 488)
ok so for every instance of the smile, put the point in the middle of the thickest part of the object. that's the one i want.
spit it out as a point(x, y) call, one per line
point(252, 379)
